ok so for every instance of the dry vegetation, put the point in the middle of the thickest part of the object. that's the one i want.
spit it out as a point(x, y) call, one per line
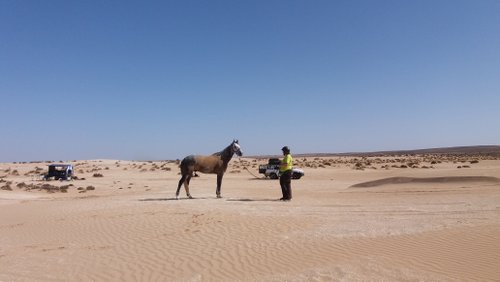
point(424, 161)
point(28, 176)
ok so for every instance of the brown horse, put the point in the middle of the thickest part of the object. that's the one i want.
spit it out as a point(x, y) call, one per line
point(216, 163)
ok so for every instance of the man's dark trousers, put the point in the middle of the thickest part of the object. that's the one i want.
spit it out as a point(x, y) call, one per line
point(286, 184)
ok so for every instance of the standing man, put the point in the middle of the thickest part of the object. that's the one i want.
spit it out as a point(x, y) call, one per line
point(286, 174)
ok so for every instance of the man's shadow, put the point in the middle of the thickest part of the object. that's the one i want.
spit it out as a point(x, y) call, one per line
point(173, 199)
point(252, 200)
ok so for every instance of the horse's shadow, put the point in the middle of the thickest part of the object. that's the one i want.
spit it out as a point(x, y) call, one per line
point(206, 198)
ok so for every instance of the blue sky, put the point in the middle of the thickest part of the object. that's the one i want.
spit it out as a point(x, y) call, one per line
point(164, 79)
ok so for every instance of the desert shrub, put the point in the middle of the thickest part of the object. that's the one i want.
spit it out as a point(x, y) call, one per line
point(359, 166)
point(90, 188)
point(6, 187)
point(97, 175)
point(474, 162)
point(49, 188)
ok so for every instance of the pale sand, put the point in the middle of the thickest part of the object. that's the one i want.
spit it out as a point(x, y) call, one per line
point(394, 230)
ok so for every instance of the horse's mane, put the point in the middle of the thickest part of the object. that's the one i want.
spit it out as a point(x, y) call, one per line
point(223, 152)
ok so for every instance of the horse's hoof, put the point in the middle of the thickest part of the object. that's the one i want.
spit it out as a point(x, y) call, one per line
point(190, 197)
point(219, 196)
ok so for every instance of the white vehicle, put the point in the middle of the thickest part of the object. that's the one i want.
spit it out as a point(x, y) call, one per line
point(272, 170)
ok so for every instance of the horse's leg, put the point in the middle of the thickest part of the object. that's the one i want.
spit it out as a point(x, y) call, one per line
point(183, 178)
point(186, 185)
point(219, 183)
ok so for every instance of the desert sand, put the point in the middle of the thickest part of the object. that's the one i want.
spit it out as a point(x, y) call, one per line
point(394, 218)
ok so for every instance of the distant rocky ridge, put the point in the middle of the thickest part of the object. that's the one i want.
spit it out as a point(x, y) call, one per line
point(481, 150)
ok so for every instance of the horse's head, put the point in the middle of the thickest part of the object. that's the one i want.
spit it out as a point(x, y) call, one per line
point(236, 148)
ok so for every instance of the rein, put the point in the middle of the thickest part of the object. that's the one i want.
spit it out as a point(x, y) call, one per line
point(246, 168)
point(252, 173)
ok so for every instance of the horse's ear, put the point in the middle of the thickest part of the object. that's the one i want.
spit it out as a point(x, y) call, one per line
point(235, 141)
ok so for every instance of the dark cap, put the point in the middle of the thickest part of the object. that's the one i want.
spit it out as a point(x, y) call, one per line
point(285, 149)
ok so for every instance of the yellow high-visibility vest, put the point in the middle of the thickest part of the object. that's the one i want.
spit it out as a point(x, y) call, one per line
point(286, 163)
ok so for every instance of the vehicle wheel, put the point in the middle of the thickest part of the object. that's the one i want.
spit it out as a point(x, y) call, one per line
point(274, 176)
point(296, 176)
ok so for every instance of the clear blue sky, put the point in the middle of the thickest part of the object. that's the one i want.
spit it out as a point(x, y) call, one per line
point(164, 79)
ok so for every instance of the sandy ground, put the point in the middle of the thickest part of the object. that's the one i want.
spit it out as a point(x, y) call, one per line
point(431, 222)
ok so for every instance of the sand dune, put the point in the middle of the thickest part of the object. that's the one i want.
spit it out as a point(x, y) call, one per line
point(429, 180)
point(130, 227)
